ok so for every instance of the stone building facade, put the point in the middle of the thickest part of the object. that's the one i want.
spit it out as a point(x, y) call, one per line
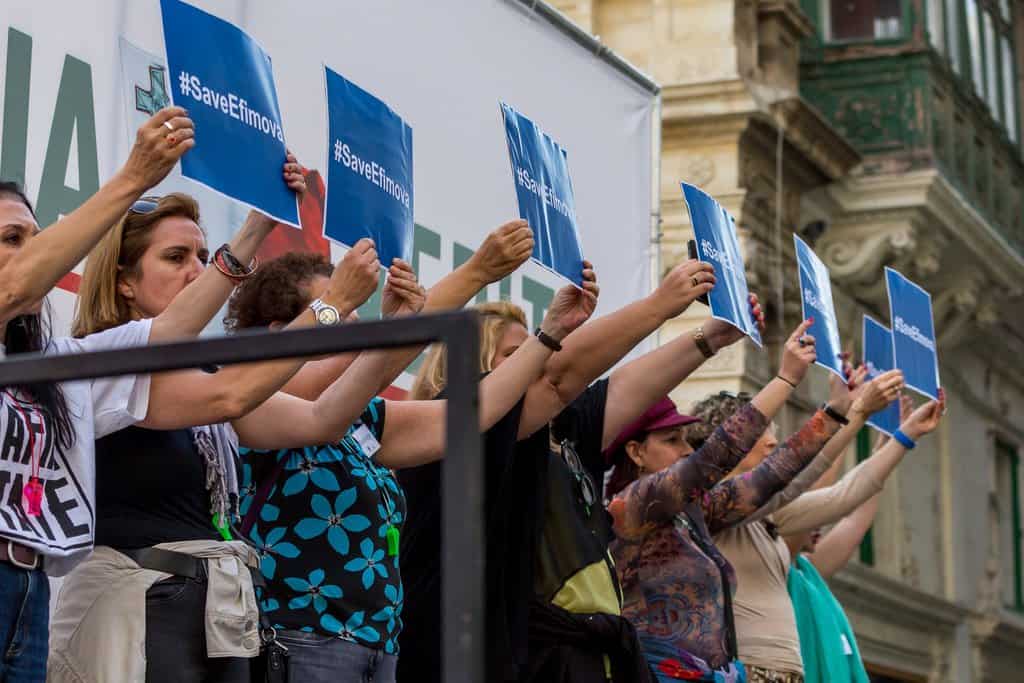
point(885, 132)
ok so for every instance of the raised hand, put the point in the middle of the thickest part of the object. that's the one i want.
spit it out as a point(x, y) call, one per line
point(682, 286)
point(403, 294)
point(797, 355)
point(925, 419)
point(722, 334)
point(571, 306)
point(841, 393)
point(355, 277)
point(159, 143)
point(504, 250)
point(292, 174)
point(870, 397)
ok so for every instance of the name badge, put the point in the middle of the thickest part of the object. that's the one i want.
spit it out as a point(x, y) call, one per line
point(366, 440)
point(847, 650)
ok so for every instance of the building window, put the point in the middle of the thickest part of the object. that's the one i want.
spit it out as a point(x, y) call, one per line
point(935, 23)
point(1009, 90)
point(977, 37)
point(952, 37)
point(1008, 496)
point(865, 19)
point(992, 61)
point(974, 46)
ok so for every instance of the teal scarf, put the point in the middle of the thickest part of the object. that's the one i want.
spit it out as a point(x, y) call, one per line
point(827, 644)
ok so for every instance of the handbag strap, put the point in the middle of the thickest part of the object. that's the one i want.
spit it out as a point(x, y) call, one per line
point(260, 497)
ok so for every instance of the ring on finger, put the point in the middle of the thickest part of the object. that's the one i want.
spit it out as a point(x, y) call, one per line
point(168, 125)
point(695, 281)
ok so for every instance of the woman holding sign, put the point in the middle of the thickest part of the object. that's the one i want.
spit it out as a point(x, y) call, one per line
point(46, 526)
point(184, 606)
point(337, 601)
point(668, 500)
point(827, 646)
point(553, 606)
point(765, 631)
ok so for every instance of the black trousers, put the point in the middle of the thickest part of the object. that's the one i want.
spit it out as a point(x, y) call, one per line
point(176, 637)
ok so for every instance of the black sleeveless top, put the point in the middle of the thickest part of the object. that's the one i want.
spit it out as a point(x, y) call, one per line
point(150, 489)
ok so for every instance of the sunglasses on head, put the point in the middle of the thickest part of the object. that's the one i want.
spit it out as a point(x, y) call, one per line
point(145, 205)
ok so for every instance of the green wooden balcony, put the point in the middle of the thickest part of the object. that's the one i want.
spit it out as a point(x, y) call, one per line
point(918, 84)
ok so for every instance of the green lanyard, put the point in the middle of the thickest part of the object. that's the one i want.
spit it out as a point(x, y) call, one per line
point(392, 534)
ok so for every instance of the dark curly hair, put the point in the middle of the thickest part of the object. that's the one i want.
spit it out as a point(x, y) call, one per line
point(712, 411)
point(276, 292)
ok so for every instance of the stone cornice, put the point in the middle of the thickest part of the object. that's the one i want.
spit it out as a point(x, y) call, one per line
point(720, 98)
point(808, 131)
point(728, 105)
point(870, 592)
point(922, 201)
point(897, 625)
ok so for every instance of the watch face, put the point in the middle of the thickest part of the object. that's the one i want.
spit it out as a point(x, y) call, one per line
point(327, 316)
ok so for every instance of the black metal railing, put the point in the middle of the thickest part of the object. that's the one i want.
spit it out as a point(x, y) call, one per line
point(462, 507)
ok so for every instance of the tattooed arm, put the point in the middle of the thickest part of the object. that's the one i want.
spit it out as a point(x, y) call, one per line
point(657, 498)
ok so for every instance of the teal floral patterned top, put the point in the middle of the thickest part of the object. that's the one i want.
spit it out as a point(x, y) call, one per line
point(323, 537)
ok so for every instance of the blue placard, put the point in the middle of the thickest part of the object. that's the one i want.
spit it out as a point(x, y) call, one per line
point(540, 170)
point(718, 244)
point(369, 172)
point(816, 299)
point(878, 358)
point(224, 79)
point(913, 334)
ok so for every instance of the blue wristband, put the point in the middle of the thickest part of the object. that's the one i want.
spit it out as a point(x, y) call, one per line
point(904, 440)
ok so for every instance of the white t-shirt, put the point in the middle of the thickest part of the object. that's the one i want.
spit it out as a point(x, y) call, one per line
point(64, 531)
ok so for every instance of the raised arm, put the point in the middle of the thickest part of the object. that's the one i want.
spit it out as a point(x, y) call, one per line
point(289, 421)
point(865, 399)
point(503, 251)
point(656, 498)
point(195, 306)
point(414, 431)
point(59, 248)
point(596, 347)
point(731, 501)
point(836, 548)
point(827, 505)
point(184, 399)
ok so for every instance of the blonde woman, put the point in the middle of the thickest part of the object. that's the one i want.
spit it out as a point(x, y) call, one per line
point(552, 601)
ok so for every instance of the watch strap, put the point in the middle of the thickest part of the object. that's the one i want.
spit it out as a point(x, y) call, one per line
point(547, 340)
point(702, 343)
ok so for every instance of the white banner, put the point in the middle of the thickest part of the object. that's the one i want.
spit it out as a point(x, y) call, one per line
point(77, 77)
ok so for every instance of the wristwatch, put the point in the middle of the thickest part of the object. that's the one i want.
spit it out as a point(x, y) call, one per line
point(325, 313)
point(702, 343)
